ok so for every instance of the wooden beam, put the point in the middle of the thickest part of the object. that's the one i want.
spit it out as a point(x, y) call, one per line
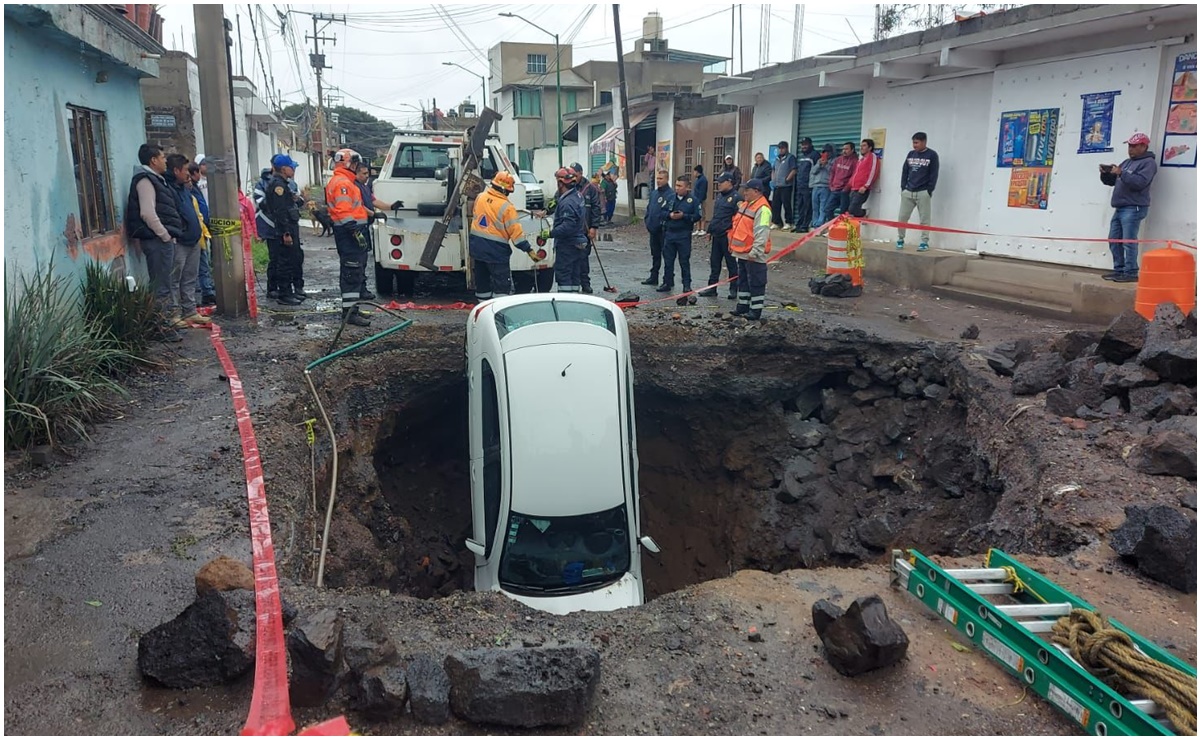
point(899, 71)
point(968, 59)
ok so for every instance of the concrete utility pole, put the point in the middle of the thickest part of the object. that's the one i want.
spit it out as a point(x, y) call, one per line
point(625, 116)
point(216, 113)
point(317, 60)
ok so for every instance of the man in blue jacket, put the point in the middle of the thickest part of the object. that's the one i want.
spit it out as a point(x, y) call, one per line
point(570, 231)
point(1131, 200)
point(683, 211)
point(700, 191)
point(655, 201)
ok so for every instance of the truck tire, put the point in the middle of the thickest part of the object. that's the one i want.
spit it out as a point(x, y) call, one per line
point(431, 209)
point(385, 280)
point(406, 282)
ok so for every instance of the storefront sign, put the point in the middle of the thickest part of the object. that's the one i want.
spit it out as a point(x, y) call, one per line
point(878, 135)
point(1029, 187)
point(1027, 138)
point(1096, 122)
point(1180, 132)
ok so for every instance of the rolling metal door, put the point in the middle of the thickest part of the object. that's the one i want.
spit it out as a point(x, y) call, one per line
point(832, 120)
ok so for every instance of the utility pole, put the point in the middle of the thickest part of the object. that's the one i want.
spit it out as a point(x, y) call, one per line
point(625, 116)
point(216, 113)
point(798, 26)
point(317, 60)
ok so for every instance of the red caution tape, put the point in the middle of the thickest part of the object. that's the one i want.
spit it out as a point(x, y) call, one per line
point(252, 300)
point(948, 230)
point(336, 727)
point(270, 711)
point(410, 306)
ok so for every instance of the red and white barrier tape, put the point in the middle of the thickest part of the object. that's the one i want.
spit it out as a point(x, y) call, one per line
point(948, 230)
point(270, 711)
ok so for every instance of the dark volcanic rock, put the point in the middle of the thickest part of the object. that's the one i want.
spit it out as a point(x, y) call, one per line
point(1168, 452)
point(1124, 337)
point(429, 690)
point(1076, 344)
point(210, 643)
point(381, 693)
point(1162, 541)
point(315, 646)
point(527, 687)
point(1175, 361)
point(1000, 365)
point(1162, 401)
point(861, 639)
point(806, 433)
point(1120, 378)
point(1063, 401)
point(1084, 376)
point(1044, 371)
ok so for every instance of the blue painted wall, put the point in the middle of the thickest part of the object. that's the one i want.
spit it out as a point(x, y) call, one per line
point(41, 77)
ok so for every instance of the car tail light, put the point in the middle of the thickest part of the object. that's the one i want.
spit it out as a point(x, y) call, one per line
point(396, 240)
point(541, 254)
point(396, 254)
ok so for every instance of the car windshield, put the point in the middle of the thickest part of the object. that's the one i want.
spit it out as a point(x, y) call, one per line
point(567, 554)
point(528, 177)
point(540, 312)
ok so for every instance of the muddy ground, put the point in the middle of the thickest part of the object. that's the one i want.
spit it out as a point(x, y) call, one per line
point(126, 519)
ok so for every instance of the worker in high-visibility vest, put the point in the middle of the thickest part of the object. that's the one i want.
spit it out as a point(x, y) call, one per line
point(494, 226)
point(351, 218)
point(750, 243)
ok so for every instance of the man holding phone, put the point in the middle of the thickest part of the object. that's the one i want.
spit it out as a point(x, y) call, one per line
point(1131, 200)
point(683, 212)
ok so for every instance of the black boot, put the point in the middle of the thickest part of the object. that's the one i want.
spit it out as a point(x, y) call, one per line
point(742, 309)
point(708, 293)
point(272, 293)
point(356, 318)
point(366, 295)
point(652, 280)
point(664, 288)
point(287, 299)
point(299, 293)
point(755, 315)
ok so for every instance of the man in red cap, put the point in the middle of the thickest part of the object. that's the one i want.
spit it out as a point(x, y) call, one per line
point(1131, 200)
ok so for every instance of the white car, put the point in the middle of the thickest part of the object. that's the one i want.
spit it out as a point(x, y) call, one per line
point(535, 197)
point(554, 459)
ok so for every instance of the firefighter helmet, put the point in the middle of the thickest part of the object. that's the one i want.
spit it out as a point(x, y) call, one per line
point(504, 182)
point(566, 176)
point(347, 158)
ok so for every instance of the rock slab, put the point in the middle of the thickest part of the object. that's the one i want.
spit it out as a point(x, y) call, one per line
point(525, 687)
point(209, 644)
point(861, 639)
point(224, 574)
point(429, 690)
point(381, 693)
point(1162, 542)
point(1044, 371)
point(1123, 337)
point(315, 647)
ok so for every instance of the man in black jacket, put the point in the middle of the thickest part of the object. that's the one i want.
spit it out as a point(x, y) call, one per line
point(591, 195)
point(683, 211)
point(724, 208)
point(281, 207)
point(655, 201)
point(153, 222)
point(919, 175)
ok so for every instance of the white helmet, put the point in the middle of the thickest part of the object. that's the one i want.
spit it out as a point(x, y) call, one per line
point(348, 158)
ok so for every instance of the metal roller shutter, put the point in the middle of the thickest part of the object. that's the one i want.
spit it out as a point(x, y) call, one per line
point(832, 120)
point(596, 161)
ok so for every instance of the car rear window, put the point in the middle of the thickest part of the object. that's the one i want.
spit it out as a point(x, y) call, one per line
point(420, 160)
point(541, 312)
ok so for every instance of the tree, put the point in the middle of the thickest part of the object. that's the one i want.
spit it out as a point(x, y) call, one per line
point(897, 18)
point(363, 132)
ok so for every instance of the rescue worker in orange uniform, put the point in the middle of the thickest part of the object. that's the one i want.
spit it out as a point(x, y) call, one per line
point(750, 243)
point(351, 218)
point(493, 226)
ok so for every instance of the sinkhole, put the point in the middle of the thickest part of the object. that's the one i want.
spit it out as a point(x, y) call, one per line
point(829, 465)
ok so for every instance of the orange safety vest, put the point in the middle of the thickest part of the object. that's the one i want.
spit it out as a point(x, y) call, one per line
point(742, 235)
point(344, 198)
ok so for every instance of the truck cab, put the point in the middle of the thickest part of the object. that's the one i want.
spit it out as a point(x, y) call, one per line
point(421, 170)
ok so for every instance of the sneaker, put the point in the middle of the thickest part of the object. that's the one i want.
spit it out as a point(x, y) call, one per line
point(197, 319)
point(1126, 277)
point(708, 293)
point(923, 247)
point(652, 280)
point(665, 288)
point(1111, 275)
point(900, 243)
point(208, 300)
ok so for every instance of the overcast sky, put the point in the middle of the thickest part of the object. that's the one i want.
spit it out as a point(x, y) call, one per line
point(388, 57)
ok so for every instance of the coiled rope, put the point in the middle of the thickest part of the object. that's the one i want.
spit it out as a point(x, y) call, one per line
point(1110, 655)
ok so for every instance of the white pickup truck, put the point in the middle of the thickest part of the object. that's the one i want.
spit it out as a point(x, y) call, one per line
point(421, 170)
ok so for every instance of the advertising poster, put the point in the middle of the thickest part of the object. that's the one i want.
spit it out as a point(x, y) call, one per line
point(620, 155)
point(1029, 187)
point(1027, 138)
point(663, 156)
point(878, 135)
point(1096, 122)
point(1180, 131)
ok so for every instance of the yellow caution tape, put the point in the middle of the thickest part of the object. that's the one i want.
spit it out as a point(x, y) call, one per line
point(854, 245)
point(309, 434)
point(225, 228)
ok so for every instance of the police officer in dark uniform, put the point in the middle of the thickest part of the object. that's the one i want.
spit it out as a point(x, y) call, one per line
point(656, 200)
point(724, 207)
point(683, 211)
point(592, 215)
point(281, 207)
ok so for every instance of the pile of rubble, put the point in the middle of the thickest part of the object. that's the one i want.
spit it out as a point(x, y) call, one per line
point(1137, 372)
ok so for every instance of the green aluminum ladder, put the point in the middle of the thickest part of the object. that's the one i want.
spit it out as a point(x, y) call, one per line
point(1012, 634)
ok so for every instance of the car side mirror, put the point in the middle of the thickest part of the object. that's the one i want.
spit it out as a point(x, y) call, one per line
point(649, 543)
point(542, 182)
point(440, 173)
point(475, 547)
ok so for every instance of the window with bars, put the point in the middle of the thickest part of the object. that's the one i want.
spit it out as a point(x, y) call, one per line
point(527, 103)
point(722, 145)
point(535, 64)
point(89, 155)
point(688, 152)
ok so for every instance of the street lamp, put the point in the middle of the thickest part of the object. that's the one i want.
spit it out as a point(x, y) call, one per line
point(558, 79)
point(483, 85)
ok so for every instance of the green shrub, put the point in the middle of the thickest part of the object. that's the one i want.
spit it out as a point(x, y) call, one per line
point(57, 364)
point(258, 250)
point(130, 317)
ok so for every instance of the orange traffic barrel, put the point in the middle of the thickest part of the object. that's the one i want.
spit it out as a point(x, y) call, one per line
point(1166, 276)
point(836, 254)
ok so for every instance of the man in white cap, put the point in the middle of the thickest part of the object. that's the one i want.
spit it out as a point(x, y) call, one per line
point(1131, 200)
